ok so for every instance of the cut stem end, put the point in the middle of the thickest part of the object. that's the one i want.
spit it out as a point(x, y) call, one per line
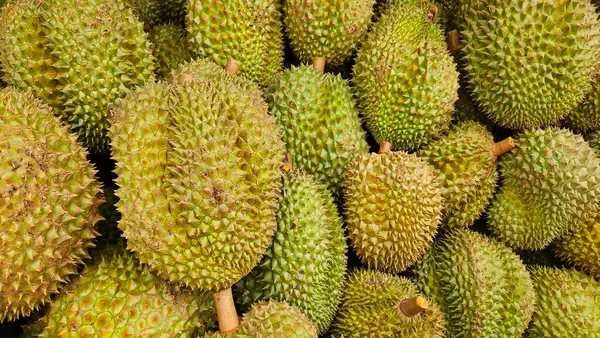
point(226, 313)
point(385, 147)
point(232, 67)
point(413, 306)
point(503, 146)
point(453, 41)
point(319, 63)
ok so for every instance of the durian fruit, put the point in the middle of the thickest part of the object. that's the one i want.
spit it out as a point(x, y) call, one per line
point(49, 204)
point(551, 184)
point(248, 31)
point(586, 117)
point(118, 297)
point(325, 28)
point(170, 47)
point(320, 124)
point(594, 140)
point(306, 263)
point(529, 63)
point(78, 56)
point(567, 304)
point(481, 286)
point(272, 319)
point(149, 12)
point(581, 247)
point(405, 79)
point(393, 208)
point(377, 304)
point(173, 11)
point(466, 161)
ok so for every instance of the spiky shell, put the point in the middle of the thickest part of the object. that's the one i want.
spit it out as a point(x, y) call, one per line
point(393, 208)
point(272, 319)
point(248, 31)
point(405, 80)
point(79, 56)
point(538, 63)
point(567, 304)
point(370, 308)
point(551, 183)
point(594, 140)
point(149, 12)
point(306, 263)
point(171, 48)
point(174, 11)
point(49, 204)
point(199, 175)
point(319, 122)
point(581, 248)
point(586, 117)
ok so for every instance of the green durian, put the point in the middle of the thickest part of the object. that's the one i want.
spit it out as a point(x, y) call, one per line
point(171, 48)
point(320, 124)
point(550, 185)
point(393, 204)
point(173, 11)
point(272, 319)
point(481, 286)
point(331, 29)
point(247, 31)
point(529, 62)
point(306, 263)
point(586, 117)
point(406, 82)
point(581, 247)
point(80, 57)
point(49, 204)
point(567, 304)
point(594, 140)
point(377, 304)
point(149, 12)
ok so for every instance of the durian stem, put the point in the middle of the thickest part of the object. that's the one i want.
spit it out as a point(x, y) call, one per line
point(319, 63)
point(226, 313)
point(413, 306)
point(385, 147)
point(432, 13)
point(232, 67)
point(453, 41)
point(503, 146)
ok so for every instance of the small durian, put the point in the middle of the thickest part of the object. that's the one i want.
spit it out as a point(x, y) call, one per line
point(171, 48)
point(581, 247)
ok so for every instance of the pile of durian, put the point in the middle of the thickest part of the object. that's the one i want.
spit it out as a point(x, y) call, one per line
point(299, 168)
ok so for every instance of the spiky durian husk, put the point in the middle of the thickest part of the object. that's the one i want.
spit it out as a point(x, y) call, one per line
point(49, 204)
point(594, 140)
point(199, 175)
point(538, 63)
point(118, 297)
point(405, 80)
point(586, 117)
point(370, 308)
point(109, 233)
point(581, 248)
point(173, 11)
point(248, 31)
point(482, 287)
point(272, 319)
point(551, 184)
point(467, 169)
point(567, 304)
point(171, 48)
point(320, 124)
point(149, 12)
point(79, 56)
point(306, 263)
point(324, 28)
point(393, 208)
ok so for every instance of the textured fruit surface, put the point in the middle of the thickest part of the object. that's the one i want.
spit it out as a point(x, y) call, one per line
point(174, 11)
point(199, 175)
point(551, 183)
point(170, 47)
point(81, 57)
point(467, 168)
point(325, 28)
point(370, 308)
point(248, 31)
point(594, 141)
point(405, 80)
point(581, 247)
point(586, 117)
point(48, 204)
point(272, 319)
point(529, 62)
point(148, 11)
point(306, 263)
point(118, 297)
point(567, 304)
point(482, 287)
point(319, 122)
point(393, 208)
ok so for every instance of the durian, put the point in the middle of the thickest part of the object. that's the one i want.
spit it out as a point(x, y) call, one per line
point(174, 11)
point(581, 248)
point(148, 11)
point(170, 47)
point(586, 117)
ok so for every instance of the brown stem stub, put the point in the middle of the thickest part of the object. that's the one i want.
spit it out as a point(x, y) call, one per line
point(319, 63)
point(226, 313)
point(232, 67)
point(453, 41)
point(503, 146)
point(385, 147)
point(432, 13)
point(413, 306)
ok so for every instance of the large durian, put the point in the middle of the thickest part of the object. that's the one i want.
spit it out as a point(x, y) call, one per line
point(529, 62)
point(79, 56)
point(377, 304)
point(48, 204)
point(482, 287)
point(581, 247)
point(306, 263)
point(171, 48)
point(550, 185)
point(405, 79)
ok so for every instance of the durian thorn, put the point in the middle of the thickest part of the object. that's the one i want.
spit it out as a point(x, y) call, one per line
point(287, 163)
point(226, 313)
point(503, 146)
point(318, 62)
point(411, 307)
point(453, 41)
point(385, 147)
point(432, 13)
point(232, 66)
